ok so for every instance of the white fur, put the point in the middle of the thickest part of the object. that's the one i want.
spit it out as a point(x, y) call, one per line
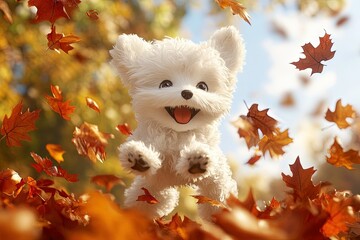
point(168, 148)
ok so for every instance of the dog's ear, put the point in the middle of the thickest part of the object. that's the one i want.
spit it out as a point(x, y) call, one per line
point(125, 54)
point(229, 43)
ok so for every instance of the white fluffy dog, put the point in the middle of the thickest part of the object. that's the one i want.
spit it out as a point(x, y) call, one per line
point(180, 90)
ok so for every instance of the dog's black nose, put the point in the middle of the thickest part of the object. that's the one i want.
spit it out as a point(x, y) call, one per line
point(187, 94)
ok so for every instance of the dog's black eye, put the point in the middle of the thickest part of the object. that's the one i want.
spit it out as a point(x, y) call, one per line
point(202, 86)
point(165, 83)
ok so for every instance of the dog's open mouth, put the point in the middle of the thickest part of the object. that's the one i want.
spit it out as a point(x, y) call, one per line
point(182, 114)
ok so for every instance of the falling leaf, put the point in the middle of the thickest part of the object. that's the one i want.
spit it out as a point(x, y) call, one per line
point(261, 120)
point(236, 8)
point(16, 127)
point(247, 131)
point(287, 100)
point(124, 129)
point(9, 180)
point(58, 105)
point(46, 165)
point(57, 41)
point(55, 151)
point(4, 7)
point(342, 21)
point(340, 114)
point(51, 10)
point(147, 197)
point(92, 104)
point(314, 56)
point(89, 141)
point(274, 143)
point(107, 181)
point(212, 202)
point(254, 159)
point(340, 158)
point(301, 182)
point(93, 14)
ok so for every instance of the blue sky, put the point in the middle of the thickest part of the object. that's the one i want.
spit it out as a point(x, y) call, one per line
point(268, 75)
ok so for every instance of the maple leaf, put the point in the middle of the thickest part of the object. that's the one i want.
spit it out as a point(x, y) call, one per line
point(261, 120)
point(57, 41)
point(212, 202)
point(4, 7)
point(340, 114)
point(236, 8)
point(247, 131)
point(46, 165)
point(89, 141)
point(55, 151)
point(58, 105)
point(108, 181)
point(51, 10)
point(147, 197)
point(9, 180)
point(340, 158)
point(275, 142)
point(92, 104)
point(301, 182)
point(124, 129)
point(16, 127)
point(314, 56)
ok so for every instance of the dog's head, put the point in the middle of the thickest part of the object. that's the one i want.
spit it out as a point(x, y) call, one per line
point(177, 83)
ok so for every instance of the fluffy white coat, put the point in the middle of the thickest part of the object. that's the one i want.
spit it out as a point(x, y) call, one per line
point(180, 90)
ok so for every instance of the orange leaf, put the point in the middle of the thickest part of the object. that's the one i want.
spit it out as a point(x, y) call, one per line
point(107, 181)
point(51, 10)
point(55, 151)
point(58, 105)
point(301, 182)
point(247, 131)
point(89, 141)
point(16, 127)
point(253, 159)
point(236, 8)
point(124, 129)
point(147, 197)
point(340, 158)
point(314, 56)
point(9, 180)
point(261, 120)
point(92, 104)
point(274, 143)
point(212, 202)
point(57, 41)
point(340, 114)
point(93, 14)
point(288, 100)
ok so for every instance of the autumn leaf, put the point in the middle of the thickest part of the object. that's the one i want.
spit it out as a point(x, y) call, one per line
point(55, 151)
point(46, 165)
point(247, 131)
point(9, 180)
point(93, 14)
point(92, 104)
point(147, 197)
point(58, 41)
point(212, 202)
point(274, 143)
point(58, 105)
point(254, 159)
point(340, 158)
point(314, 56)
point(287, 100)
point(301, 182)
point(124, 129)
point(261, 120)
point(108, 181)
point(16, 127)
point(340, 114)
point(4, 7)
point(90, 142)
point(51, 10)
point(236, 8)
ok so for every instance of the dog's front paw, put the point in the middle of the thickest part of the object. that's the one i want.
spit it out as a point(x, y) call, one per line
point(196, 162)
point(137, 157)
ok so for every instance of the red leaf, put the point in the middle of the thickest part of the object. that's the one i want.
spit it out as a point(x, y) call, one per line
point(301, 181)
point(58, 105)
point(57, 41)
point(93, 14)
point(124, 129)
point(253, 159)
point(16, 127)
point(51, 10)
point(107, 181)
point(261, 120)
point(147, 197)
point(89, 141)
point(314, 56)
point(9, 180)
point(92, 104)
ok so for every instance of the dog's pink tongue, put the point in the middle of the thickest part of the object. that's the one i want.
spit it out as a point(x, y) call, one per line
point(182, 115)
